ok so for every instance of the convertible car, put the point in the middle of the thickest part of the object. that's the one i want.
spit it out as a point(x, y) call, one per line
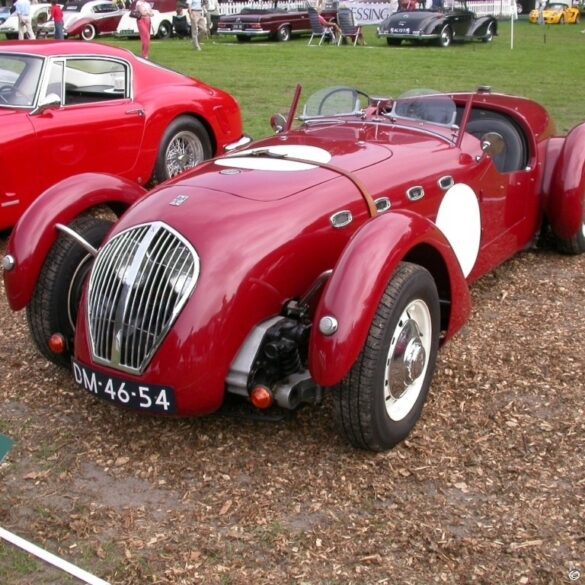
point(326, 257)
point(278, 23)
point(86, 19)
point(453, 23)
point(75, 107)
point(555, 13)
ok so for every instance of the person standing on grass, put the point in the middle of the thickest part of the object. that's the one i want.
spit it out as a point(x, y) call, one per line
point(195, 15)
point(144, 13)
point(57, 17)
point(22, 8)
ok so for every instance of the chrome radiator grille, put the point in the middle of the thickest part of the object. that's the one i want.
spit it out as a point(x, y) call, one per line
point(139, 283)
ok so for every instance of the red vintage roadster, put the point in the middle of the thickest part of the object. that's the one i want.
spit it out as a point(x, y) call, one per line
point(66, 108)
point(335, 255)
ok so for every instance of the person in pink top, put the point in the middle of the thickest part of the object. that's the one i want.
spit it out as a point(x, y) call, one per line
point(145, 12)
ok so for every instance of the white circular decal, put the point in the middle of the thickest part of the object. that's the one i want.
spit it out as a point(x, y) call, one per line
point(459, 219)
point(266, 163)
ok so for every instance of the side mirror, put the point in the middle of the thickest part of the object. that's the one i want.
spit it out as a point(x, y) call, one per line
point(492, 143)
point(278, 123)
point(49, 102)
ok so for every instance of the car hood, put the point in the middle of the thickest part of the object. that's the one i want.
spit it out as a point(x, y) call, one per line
point(265, 173)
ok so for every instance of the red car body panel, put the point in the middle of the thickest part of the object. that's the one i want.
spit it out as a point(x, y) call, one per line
point(121, 136)
point(264, 233)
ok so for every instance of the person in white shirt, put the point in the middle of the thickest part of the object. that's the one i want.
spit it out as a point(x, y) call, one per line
point(197, 21)
point(22, 8)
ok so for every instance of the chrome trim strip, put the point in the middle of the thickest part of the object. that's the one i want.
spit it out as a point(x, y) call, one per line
point(73, 234)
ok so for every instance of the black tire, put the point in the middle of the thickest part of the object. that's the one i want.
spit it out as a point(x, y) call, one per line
point(368, 414)
point(489, 33)
point(11, 36)
point(393, 42)
point(562, 20)
point(164, 30)
point(243, 38)
point(184, 145)
point(53, 308)
point(88, 32)
point(574, 245)
point(283, 34)
point(446, 37)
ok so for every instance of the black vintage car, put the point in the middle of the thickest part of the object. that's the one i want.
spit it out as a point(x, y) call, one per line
point(442, 24)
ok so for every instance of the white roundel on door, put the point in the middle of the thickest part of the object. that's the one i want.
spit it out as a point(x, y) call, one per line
point(459, 219)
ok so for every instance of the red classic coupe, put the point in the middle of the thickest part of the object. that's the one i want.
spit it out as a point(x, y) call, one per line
point(335, 255)
point(66, 108)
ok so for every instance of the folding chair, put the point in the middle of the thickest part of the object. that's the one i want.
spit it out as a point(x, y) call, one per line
point(317, 29)
point(348, 28)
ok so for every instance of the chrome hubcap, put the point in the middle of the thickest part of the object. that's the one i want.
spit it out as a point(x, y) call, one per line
point(184, 152)
point(407, 360)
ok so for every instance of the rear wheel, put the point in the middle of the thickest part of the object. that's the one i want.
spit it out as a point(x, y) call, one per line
point(53, 308)
point(574, 245)
point(88, 32)
point(379, 402)
point(562, 19)
point(164, 30)
point(184, 145)
point(446, 37)
point(393, 42)
point(242, 38)
point(283, 34)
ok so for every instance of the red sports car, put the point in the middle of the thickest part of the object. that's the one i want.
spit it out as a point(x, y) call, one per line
point(335, 255)
point(66, 108)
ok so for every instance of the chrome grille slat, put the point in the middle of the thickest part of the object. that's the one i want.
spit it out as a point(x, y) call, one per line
point(140, 281)
point(157, 277)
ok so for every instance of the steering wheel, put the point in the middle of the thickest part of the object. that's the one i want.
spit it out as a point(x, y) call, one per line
point(10, 89)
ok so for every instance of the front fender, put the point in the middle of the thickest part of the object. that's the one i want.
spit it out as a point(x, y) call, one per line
point(35, 232)
point(360, 278)
point(565, 203)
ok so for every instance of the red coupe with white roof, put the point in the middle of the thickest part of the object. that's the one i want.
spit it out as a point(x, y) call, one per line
point(334, 256)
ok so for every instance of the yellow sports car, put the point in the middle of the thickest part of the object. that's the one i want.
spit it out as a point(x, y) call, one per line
point(555, 13)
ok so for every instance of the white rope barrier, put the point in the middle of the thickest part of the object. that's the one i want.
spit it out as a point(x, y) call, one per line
point(50, 558)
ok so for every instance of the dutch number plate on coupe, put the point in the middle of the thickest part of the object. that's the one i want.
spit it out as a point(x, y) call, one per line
point(152, 398)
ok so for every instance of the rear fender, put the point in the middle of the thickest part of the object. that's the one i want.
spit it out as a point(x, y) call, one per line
point(481, 24)
point(35, 233)
point(360, 278)
point(565, 203)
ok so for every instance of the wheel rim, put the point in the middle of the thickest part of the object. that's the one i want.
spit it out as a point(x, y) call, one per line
point(184, 152)
point(445, 37)
point(88, 33)
point(407, 360)
point(284, 34)
point(490, 33)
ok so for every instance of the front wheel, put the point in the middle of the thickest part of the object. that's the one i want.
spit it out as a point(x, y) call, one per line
point(53, 308)
point(446, 37)
point(489, 33)
point(184, 145)
point(381, 399)
point(88, 32)
point(283, 34)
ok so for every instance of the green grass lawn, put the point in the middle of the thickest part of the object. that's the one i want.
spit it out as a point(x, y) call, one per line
point(546, 64)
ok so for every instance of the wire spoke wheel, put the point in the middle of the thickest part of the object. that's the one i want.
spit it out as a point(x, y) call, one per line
point(184, 152)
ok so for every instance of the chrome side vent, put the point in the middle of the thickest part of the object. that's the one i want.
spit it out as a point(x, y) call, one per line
point(140, 281)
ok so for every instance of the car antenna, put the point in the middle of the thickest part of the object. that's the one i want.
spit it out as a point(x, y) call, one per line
point(293, 108)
